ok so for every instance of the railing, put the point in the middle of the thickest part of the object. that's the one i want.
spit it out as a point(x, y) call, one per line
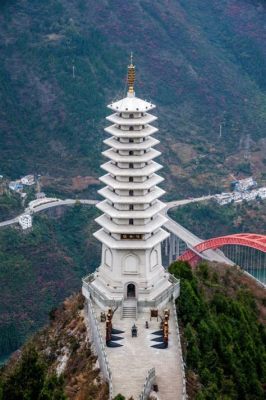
point(169, 293)
point(259, 283)
point(172, 291)
point(180, 356)
point(149, 382)
point(97, 295)
point(99, 347)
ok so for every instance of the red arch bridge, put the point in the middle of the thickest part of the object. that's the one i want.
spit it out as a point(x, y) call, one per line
point(249, 240)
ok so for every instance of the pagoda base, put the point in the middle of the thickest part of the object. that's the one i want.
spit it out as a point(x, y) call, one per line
point(94, 289)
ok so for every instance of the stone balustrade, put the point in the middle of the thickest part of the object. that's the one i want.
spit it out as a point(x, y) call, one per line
point(180, 356)
point(149, 382)
point(98, 345)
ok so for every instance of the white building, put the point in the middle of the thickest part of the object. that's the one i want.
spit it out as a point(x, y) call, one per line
point(28, 180)
point(40, 195)
point(131, 224)
point(25, 221)
point(245, 184)
point(16, 186)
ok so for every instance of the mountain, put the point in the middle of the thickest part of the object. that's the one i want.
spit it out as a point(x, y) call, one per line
point(57, 363)
point(40, 269)
point(202, 63)
point(216, 302)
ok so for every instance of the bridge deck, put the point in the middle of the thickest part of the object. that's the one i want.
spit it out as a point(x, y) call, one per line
point(193, 240)
point(130, 363)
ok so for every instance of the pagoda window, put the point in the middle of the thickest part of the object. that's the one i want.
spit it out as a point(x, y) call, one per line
point(131, 115)
point(131, 179)
point(131, 140)
point(131, 236)
point(131, 207)
point(131, 152)
point(131, 221)
point(142, 114)
point(143, 126)
point(131, 165)
point(131, 193)
point(131, 128)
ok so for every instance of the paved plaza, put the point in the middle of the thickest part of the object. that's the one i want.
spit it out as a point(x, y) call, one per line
point(131, 363)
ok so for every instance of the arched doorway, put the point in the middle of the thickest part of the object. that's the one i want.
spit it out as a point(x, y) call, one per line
point(131, 290)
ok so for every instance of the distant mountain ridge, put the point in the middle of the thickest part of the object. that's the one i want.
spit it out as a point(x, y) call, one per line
point(202, 63)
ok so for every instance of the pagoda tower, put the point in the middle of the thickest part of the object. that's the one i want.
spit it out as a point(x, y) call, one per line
point(131, 224)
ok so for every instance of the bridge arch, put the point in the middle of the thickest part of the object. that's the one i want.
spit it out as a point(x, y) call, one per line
point(252, 240)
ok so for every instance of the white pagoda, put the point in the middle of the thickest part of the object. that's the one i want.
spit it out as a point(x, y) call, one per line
point(131, 224)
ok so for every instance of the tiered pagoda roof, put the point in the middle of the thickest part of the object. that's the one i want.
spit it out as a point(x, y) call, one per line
point(131, 204)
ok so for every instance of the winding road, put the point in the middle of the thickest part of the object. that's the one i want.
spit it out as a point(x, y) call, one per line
point(46, 206)
point(70, 202)
point(172, 226)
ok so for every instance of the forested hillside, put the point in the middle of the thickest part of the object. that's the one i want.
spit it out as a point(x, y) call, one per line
point(222, 315)
point(203, 63)
point(39, 269)
point(208, 219)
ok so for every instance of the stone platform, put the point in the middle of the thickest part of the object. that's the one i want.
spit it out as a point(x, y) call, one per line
point(130, 364)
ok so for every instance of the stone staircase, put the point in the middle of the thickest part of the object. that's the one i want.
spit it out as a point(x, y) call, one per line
point(129, 309)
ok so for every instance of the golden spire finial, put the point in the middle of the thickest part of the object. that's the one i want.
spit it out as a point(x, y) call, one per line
point(131, 75)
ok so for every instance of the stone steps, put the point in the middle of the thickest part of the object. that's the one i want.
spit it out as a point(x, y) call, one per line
point(129, 312)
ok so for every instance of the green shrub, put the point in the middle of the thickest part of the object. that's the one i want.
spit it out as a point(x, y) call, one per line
point(119, 397)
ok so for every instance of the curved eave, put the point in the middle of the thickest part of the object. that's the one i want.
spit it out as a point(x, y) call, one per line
point(150, 227)
point(145, 171)
point(147, 184)
point(112, 243)
point(106, 208)
point(146, 119)
point(131, 105)
point(137, 134)
point(148, 198)
point(116, 157)
point(146, 144)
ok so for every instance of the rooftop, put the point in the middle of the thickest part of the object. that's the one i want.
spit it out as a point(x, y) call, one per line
point(131, 104)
